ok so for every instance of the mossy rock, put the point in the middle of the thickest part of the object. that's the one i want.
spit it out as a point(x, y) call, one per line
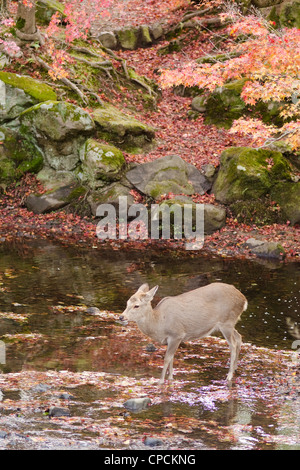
point(109, 195)
point(54, 199)
point(214, 217)
point(225, 104)
point(257, 211)
point(291, 154)
point(56, 120)
point(128, 38)
point(246, 173)
point(289, 15)
point(167, 174)
point(45, 9)
point(16, 156)
point(35, 88)
point(122, 130)
point(287, 195)
point(101, 163)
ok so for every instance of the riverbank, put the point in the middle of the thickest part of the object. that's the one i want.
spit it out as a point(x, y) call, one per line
point(16, 223)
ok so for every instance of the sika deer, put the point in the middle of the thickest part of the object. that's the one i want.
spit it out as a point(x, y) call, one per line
point(189, 316)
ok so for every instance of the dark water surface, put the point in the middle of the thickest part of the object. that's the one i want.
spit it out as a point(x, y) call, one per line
point(36, 277)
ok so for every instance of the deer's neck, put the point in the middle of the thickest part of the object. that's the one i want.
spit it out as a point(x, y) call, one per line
point(149, 324)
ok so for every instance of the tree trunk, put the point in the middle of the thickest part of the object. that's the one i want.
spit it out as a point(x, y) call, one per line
point(26, 25)
point(3, 7)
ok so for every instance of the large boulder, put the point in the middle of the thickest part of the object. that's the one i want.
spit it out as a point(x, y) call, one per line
point(121, 129)
point(18, 93)
point(287, 195)
point(59, 129)
point(100, 163)
point(246, 173)
point(166, 175)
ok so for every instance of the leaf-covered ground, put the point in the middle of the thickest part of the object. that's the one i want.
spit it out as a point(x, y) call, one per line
point(194, 141)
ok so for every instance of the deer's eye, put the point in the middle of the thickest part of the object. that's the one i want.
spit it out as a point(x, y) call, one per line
point(136, 306)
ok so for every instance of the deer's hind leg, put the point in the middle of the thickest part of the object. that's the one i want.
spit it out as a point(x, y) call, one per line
point(233, 338)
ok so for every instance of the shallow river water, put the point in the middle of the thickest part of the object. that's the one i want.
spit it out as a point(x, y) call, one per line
point(51, 287)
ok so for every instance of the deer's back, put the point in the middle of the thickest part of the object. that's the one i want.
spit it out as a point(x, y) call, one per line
point(197, 312)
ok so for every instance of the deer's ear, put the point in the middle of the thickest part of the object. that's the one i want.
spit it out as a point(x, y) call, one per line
point(144, 288)
point(149, 296)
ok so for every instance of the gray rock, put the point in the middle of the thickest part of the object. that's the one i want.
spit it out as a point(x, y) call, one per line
point(145, 36)
point(253, 243)
point(122, 129)
point(59, 129)
point(18, 93)
point(56, 412)
point(137, 404)
point(56, 120)
point(156, 31)
point(214, 218)
point(40, 204)
point(41, 388)
point(209, 171)
point(150, 347)
point(269, 250)
point(13, 101)
point(152, 441)
point(199, 103)
point(100, 162)
point(244, 174)
point(128, 37)
point(168, 174)
point(108, 39)
point(3, 434)
point(109, 195)
point(93, 311)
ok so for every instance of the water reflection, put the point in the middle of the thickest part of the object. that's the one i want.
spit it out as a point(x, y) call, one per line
point(36, 277)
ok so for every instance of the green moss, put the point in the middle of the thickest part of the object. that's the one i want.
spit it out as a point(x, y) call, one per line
point(256, 211)
point(290, 15)
point(225, 105)
point(76, 193)
point(7, 170)
point(38, 90)
point(159, 188)
point(128, 38)
point(287, 195)
point(247, 173)
point(121, 129)
point(17, 156)
point(46, 8)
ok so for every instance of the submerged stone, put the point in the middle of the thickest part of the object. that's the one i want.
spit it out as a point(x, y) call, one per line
point(137, 404)
point(269, 250)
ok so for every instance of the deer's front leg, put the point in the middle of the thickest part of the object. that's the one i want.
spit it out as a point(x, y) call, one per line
point(173, 344)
